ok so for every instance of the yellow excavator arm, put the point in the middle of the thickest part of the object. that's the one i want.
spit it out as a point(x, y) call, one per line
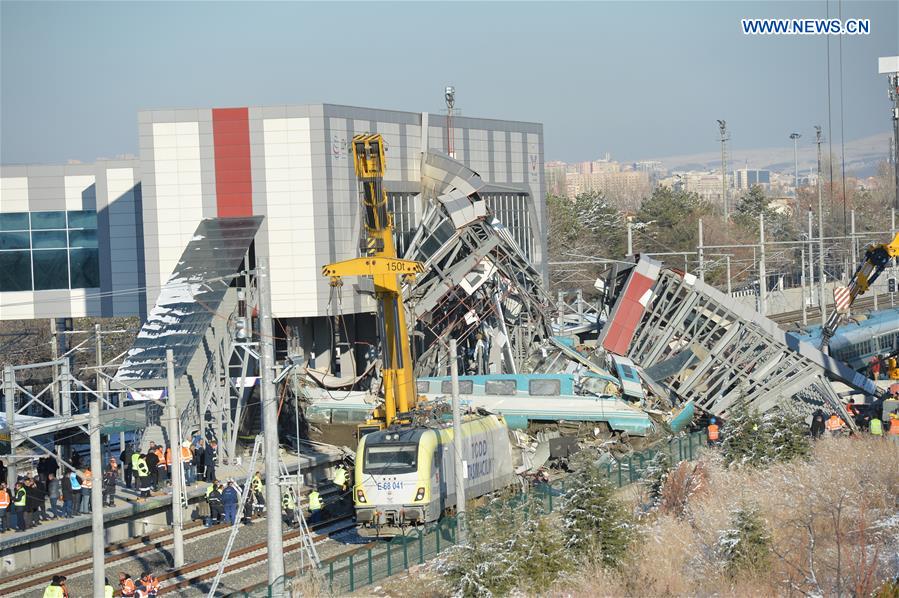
point(381, 263)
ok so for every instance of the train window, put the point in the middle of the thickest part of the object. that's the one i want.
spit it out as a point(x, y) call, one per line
point(550, 387)
point(500, 387)
point(382, 459)
point(466, 387)
point(422, 386)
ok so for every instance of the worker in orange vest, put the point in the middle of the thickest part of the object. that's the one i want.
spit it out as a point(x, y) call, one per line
point(894, 426)
point(160, 466)
point(713, 432)
point(5, 501)
point(834, 425)
point(187, 458)
point(126, 585)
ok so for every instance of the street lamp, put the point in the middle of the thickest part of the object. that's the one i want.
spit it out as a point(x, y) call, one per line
point(795, 137)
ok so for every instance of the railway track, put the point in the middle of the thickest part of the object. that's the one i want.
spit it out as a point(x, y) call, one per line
point(814, 313)
point(32, 581)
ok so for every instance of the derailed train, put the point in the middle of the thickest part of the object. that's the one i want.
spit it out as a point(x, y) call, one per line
point(405, 476)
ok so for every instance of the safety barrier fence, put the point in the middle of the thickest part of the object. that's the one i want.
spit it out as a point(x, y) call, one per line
point(348, 573)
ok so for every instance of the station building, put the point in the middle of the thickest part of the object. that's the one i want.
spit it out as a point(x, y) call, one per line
point(101, 239)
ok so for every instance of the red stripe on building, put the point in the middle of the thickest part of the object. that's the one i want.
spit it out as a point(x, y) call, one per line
point(627, 315)
point(233, 182)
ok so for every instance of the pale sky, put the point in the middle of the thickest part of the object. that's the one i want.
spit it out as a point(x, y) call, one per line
point(636, 79)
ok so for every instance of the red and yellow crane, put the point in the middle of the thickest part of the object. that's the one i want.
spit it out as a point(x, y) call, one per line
point(385, 268)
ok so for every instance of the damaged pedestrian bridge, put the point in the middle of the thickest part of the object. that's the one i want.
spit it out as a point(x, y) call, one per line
point(711, 350)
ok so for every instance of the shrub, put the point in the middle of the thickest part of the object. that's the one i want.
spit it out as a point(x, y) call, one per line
point(746, 546)
point(595, 523)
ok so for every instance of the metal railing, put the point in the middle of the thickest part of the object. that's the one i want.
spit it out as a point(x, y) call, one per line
point(348, 573)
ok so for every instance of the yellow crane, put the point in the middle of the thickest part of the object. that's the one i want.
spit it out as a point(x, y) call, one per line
point(877, 257)
point(382, 265)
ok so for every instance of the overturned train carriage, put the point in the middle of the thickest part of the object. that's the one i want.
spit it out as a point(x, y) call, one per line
point(405, 477)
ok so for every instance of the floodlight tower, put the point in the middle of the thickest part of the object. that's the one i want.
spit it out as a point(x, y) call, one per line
point(722, 127)
point(450, 97)
point(889, 66)
point(795, 137)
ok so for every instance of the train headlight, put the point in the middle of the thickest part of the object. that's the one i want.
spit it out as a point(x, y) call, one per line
point(420, 495)
point(360, 495)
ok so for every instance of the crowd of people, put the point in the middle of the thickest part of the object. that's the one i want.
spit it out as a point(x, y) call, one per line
point(55, 491)
point(145, 587)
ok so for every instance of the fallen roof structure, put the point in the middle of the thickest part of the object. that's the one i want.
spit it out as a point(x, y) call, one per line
point(477, 278)
point(724, 352)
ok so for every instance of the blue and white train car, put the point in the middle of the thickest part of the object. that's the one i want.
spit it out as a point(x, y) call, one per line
point(858, 344)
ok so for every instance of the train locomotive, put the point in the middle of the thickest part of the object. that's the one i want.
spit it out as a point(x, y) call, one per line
point(405, 477)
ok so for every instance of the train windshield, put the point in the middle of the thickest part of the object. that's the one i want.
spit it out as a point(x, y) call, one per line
point(382, 459)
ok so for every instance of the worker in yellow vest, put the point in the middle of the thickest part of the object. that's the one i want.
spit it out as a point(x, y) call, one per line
point(145, 481)
point(875, 427)
point(288, 508)
point(56, 588)
point(340, 477)
point(315, 506)
point(108, 590)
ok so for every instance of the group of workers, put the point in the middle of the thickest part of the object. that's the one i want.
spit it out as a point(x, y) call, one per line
point(145, 587)
point(150, 471)
point(833, 425)
point(48, 494)
point(223, 500)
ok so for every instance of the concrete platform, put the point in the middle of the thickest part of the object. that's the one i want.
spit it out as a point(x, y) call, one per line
point(58, 539)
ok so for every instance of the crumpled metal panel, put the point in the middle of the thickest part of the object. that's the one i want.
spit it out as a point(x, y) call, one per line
point(454, 297)
point(189, 300)
point(736, 353)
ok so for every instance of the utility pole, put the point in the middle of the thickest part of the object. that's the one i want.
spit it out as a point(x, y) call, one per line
point(98, 540)
point(822, 295)
point(722, 128)
point(175, 447)
point(802, 281)
point(811, 259)
point(270, 431)
point(630, 238)
point(795, 137)
point(458, 444)
point(700, 252)
point(854, 241)
point(889, 66)
point(450, 96)
point(727, 258)
point(9, 398)
point(763, 282)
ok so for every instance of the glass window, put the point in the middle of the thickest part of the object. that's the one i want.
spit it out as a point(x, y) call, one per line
point(83, 219)
point(381, 459)
point(466, 387)
point(14, 240)
point(43, 220)
point(545, 387)
point(500, 387)
point(48, 239)
point(83, 238)
point(422, 386)
point(15, 270)
point(51, 269)
point(85, 268)
point(14, 221)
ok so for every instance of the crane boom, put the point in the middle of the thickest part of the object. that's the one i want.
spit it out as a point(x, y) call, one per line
point(380, 262)
point(876, 259)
